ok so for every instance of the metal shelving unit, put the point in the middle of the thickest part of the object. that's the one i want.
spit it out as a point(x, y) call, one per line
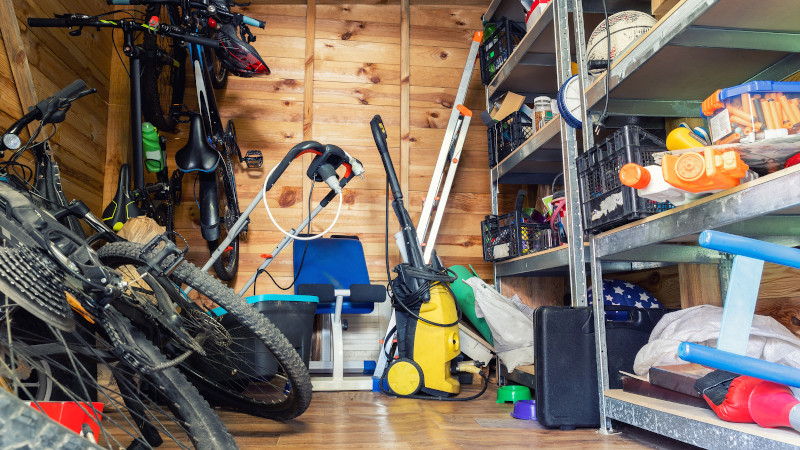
point(700, 46)
point(538, 66)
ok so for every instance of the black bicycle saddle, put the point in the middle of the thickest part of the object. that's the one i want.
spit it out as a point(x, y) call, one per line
point(123, 207)
point(197, 154)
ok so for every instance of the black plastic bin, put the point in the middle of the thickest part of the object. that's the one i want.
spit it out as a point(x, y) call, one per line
point(506, 135)
point(606, 202)
point(293, 315)
point(498, 46)
point(509, 236)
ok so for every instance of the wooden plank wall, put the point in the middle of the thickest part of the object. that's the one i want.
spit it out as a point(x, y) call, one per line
point(55, 59)
point(356, 65)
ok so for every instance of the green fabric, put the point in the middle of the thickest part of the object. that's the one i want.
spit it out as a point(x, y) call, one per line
point(465, 297)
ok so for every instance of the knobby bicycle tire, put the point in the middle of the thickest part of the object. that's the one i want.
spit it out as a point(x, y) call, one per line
point(163, 78)
point(228, 263)
point(206, 430)
point(23, 427)
point(281, 392)
point(132, 393)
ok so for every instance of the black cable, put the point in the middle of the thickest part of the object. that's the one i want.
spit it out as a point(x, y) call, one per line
point(114, 44)
point(302, 258)
point(8, 166)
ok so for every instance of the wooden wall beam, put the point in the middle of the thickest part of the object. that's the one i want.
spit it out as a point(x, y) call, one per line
point(15, 50)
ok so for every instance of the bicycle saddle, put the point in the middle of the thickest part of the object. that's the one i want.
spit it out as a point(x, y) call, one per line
point(197, 155)
point(123, 207)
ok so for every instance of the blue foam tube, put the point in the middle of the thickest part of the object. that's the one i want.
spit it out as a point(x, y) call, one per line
point(743, 365)
point(752, 248)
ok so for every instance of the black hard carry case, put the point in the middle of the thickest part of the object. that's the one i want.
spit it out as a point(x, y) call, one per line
point(565, 365)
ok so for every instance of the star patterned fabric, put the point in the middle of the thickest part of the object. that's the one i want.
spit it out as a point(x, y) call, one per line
point(617, 292)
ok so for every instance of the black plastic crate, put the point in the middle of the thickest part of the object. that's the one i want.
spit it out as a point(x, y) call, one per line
point(508, 134)
point(497, 47)
point(508, 236)
point(605, 201)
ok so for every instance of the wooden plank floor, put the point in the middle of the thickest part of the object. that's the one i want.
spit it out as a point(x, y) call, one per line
point(373, 420)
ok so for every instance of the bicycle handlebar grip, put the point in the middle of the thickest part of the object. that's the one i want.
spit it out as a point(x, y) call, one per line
point(253, 22)
point(73, 88)
point(121, 2)
point(47, 22)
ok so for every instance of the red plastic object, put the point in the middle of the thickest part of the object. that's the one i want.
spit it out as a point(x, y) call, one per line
point(735, 407)
point(792, 161)
point(770, 404)
point(212, 23)
point(72, 414)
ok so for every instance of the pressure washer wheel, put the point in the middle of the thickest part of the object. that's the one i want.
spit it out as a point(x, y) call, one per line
point(404, 377)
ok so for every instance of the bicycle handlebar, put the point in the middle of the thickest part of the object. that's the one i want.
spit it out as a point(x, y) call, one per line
point(85, 21)
point(48, 22)
point(247, 20)
point(49, 108)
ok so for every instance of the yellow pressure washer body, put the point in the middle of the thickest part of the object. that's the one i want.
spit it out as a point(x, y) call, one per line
point(425, 358)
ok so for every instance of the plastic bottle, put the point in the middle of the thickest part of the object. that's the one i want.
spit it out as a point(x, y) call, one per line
point(541, 106)
point(649, 183)
point(153, 156)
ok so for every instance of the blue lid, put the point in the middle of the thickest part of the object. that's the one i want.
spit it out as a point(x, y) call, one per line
point(756, 87)
point(271, 298)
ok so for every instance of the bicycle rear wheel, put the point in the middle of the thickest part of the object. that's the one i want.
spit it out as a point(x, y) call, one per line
point(164, 71)
point(249, 365)
point(228, 263)
point(219, 74)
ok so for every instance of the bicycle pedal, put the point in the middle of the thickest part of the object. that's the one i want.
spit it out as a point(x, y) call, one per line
point(254, 159)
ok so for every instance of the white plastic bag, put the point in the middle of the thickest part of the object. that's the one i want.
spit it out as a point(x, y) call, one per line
point(512, 330)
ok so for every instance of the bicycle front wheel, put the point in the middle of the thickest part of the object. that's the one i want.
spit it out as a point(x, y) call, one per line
point(84, 368)
point(249, 365)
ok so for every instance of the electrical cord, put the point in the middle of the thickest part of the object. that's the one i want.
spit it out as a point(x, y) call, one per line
point(407, 301)
point(302, 258)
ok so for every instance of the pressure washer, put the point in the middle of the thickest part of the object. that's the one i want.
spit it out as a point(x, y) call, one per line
point(426, 312)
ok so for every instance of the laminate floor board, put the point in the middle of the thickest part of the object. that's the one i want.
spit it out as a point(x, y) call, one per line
point(356, 420)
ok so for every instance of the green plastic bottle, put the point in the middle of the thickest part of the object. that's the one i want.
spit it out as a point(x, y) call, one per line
point(153, 155)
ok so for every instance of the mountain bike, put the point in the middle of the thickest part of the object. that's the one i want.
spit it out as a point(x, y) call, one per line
point(48, 274)
point(271, 381)
point(211, 147)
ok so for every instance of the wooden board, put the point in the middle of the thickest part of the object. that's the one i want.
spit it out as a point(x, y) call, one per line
point(45, 60)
